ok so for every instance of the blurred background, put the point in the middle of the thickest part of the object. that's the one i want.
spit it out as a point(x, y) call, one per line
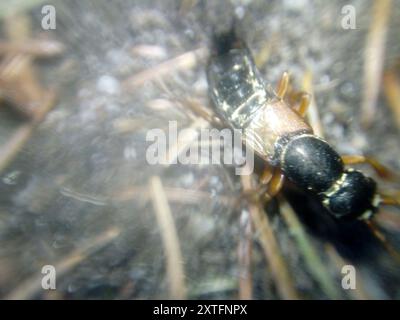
point(76, 191)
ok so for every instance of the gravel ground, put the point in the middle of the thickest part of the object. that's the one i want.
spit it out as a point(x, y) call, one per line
point(81, 196)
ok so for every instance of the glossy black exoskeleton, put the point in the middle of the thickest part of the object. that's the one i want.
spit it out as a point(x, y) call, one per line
point(279, 135)
point(313, 165)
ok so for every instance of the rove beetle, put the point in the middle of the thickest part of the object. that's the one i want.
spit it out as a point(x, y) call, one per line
point(278, 134)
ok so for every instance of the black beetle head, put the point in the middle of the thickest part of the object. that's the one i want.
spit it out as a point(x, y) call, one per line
point(353, 195)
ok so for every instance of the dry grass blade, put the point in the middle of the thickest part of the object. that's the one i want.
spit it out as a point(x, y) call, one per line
point(244, 254)
point(312, 113)
point(31, 286)
point(185, 61)
point(175, 270)
point(373, 59)
point(36, 48)
point(265, 52)
point(199, 110)
point(22, 135)
point(262, 226)
point(149, 51)
point(391, 87)
point(20, 73)
point(381, 237)
point(8, 8)
point(177, 195)
point(388, 220)
point(309, 253)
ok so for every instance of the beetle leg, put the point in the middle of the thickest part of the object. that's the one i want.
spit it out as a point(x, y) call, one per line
point(305, 101)
point(299, 101)
point(266, 175)
point(283, 85)
point(265, 179)
point(271, 181)
point(276, 183)
point(379, 168)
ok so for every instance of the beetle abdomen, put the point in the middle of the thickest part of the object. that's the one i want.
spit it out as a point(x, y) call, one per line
point(241, 98)
point(236, 88)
